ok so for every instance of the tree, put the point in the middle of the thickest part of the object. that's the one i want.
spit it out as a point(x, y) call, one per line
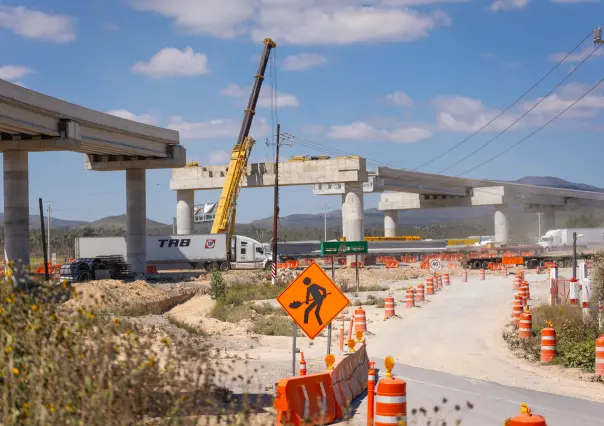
point(218, 288)
point(597, 281)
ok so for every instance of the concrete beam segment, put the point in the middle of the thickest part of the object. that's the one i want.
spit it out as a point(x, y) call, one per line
point(421, 183)
point(16, 206)
point(23, 111)
point(405, 201)
point(372, 185)
point(177, 157)
point(501, 227)
point(258, 175)
point(136, 222)
point(511, 195)
point(185, 204)
point(390, 222)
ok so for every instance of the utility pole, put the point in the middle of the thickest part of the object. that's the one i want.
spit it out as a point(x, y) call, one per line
point(574, 255)
point(325, 207)
point(276, 213)
point(48, 230)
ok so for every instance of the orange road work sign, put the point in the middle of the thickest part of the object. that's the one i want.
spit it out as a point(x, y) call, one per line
point(313, 300)
point(512, 260)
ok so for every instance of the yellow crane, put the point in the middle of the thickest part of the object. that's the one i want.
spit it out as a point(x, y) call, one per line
point(227, 205)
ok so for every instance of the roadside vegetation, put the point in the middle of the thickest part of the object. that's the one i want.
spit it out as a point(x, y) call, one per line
point(576, 334)
point(94, 369)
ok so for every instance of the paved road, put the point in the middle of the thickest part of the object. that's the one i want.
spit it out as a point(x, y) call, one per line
point(493, 403)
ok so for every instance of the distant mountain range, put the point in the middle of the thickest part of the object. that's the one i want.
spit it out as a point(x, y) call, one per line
point(373, 217)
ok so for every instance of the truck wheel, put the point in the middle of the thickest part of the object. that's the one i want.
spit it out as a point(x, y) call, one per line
point(225, 266)
point(485, 264)
point(476, 264)
point(268, 266)
point(547, 249)
point(560, 263)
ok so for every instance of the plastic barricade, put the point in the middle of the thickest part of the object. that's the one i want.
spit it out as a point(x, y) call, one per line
point(305, 399)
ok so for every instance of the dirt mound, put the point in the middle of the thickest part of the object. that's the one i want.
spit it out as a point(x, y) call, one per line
point(119, 296)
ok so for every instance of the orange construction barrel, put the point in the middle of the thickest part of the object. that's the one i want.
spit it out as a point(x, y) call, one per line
point(391, 402)
point(526, 418)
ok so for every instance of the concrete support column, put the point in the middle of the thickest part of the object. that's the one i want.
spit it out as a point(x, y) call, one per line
point(353, 216)
point(501, 227)
point(185, 203)
point(16, 207)
point(136, 225)
point(390, 220)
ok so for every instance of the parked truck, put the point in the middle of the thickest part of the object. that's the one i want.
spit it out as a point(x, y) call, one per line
point(185, 251)
point(561, 238)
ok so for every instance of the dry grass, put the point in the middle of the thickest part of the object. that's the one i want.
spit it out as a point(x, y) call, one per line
point(90, 369)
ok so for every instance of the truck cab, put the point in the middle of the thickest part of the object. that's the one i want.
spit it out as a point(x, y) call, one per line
point(552, 238)
point(247, 253)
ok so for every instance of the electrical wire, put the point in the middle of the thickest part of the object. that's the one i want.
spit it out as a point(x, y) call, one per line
point(506, 109)
point(536, 131)
point(523, 115)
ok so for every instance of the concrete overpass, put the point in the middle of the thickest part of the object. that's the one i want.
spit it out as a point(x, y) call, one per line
point(401, 190)
point(33, 122)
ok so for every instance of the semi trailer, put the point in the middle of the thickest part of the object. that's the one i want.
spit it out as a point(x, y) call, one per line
point(185, 251)
point(587, 237)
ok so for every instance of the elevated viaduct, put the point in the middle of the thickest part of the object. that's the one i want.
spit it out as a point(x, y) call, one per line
point(400, 190)
point(33, 122)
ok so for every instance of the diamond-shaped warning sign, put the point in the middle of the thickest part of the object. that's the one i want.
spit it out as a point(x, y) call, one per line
point(313, 300)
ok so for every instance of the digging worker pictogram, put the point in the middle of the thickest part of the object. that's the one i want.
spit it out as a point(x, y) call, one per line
point(318, 293)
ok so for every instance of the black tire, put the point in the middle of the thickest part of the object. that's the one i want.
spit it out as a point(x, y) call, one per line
point(485, 264)
point(560, 263)
point(268, 266)
point(207, 266)
point(476, 264)
point(225, 266)
point(547, 249)
point(83, 276)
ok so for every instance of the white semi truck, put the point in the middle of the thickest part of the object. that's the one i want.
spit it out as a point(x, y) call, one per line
point(185, 251)
point(590, 237)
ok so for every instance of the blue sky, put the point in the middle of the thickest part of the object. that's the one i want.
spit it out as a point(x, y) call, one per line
point(395, 81)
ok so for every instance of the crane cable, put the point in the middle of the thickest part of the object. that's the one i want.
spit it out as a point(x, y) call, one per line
point(506, 109)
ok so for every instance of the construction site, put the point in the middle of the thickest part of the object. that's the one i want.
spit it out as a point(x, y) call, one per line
point(218, 327)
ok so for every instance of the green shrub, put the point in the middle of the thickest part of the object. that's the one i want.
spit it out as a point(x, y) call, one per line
point(218, 288)
point(579, 355)
point(273, 325)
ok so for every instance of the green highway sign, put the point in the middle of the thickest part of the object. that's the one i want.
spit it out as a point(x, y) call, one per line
point(332, 248)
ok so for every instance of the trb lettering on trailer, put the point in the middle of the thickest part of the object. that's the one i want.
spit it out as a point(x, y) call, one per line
point(175, 242)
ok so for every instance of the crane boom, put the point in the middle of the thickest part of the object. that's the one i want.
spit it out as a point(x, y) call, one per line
point(226, 209)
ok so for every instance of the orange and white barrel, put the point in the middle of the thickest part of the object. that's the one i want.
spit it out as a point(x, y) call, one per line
point(527, 290)
point(526, 325)
point(522, 294)
point(554, 272)
point(504, 271)
point(464, 277)
point(517, 310)
point(360, 322)
point(446, 279)
point(409, 303)
point(517, 281)
point(600, 356)
point(430, 286)
point(302, 364)
point(482, 274)
point(526, 418)
point(420, 297)
point(439, 278)
point(388, 307)
point(391, 402)
point(548, 344)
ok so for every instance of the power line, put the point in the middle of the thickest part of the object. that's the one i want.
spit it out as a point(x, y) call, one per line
point(506, 109)
point(536, 131)
point(523, 115)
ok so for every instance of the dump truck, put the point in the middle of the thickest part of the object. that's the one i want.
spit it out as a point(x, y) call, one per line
point(185, 251)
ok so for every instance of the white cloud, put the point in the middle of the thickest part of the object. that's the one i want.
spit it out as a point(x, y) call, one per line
point(14, 72)
point(463, 114)
point(216, 129)
point(283, 100)
point(577, 56)
point(400, 99)
point(218, 157)
point(171, 61)
point(303, 22)
point(37, 25)
point(501, 5)
point(143, 118)
point(363, 131)
point(303, 61)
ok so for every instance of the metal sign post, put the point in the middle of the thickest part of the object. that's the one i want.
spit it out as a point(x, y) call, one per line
point(356, 269)
point(329, 327)
point(295, 334)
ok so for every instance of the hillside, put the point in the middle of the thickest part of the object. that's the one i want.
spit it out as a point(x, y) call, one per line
point(119, 222)
point(34, 222)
